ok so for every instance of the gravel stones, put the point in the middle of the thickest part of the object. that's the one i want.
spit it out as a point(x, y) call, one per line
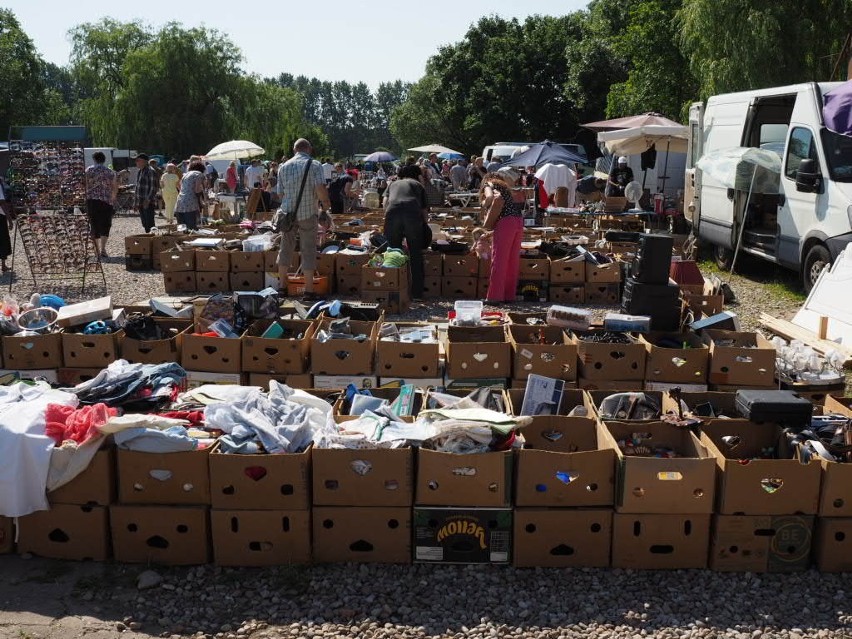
point(148, 579)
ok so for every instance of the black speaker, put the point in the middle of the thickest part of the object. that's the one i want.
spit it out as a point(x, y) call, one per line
point(653, 259)
point(660, 302)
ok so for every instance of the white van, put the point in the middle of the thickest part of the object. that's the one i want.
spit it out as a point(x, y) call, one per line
point(809, 223)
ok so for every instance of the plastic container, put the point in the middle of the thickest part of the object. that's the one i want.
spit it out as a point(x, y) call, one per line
point(468, 312)
point(578, 319)
point(257, 243)
point(296, 285)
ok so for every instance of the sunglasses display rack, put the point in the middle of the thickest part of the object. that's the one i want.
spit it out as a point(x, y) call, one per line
point(46, 176)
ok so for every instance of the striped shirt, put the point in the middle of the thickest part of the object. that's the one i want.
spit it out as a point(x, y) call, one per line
point(290, 176)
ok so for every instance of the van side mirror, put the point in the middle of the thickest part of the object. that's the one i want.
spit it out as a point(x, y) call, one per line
point(808, 177)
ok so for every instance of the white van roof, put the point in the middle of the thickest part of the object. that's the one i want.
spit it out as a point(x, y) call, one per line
point(757, 93)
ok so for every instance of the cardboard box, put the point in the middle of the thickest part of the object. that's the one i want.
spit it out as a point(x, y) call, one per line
point(156, 351)
point(348, 285)
point(392, 302)
point(39, 374)
point(684, 484)
point(833, 544)
point(66, 532)
point(277, 356)
point(465, 266)
point(270, 261)
point(568, 295)
point(568, 271)
point(247, 262)
point(194, 379)
point(293, 381)
point(705, 304)
point(213, 282)
point(366, 477)
point(478, 352)
point(536, 268)
point(433, 264)
point(610, 385)
point(571, 399)
point(165, 535)
point(603, 273)
point(90, 351)
point(562, 538)
point(68, 377)
point(161, 243)
point(260, 482)
point(660, 542)
point(95, 486)
point(543, 350)
point(370, 535)
point(431, 287)
point(175, 261)
point(836, 493)
point(463, 536)
point(749, 485)
point(213, 261)
point(532, 291)
point(738, 358)
point(164, 478)
point(419, 382)
point(578, 473)
point(597, 293)
point(481, 480)
point(33, 352)
point(761, 543)
point(602, 361)
point(667, 386)
point(459, 287)
point(407, 359)
point(182, 282)
point(350, 265)
point(383, 279)
point(345, 356)
point(7, 535)
point(261, 537)
point(687, 363)
point(139, 263)
point(211, 354)
point(326, 382)
point(247, 281)
point(138, 245)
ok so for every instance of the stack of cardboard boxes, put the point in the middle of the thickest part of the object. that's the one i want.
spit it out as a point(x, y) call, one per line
point(388, 287)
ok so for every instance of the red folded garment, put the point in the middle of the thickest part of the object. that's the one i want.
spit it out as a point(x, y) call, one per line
point(194, 417)
point(79, 425)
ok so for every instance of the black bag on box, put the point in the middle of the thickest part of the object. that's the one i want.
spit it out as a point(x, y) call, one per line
point(777, 406)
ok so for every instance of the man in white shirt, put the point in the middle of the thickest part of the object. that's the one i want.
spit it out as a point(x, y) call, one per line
point(254, 175)
point(327, 170)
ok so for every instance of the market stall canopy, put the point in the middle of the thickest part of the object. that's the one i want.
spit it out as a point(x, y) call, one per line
point(433, 148)
point(639, 139)
point(546, 152)
point(380, 156)
point(234, 150)
point(631, 122)
point(744, 169)
point(451, 156)
point(837, 109)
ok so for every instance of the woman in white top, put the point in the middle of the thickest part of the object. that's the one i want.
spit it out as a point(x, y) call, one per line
point(170, 185)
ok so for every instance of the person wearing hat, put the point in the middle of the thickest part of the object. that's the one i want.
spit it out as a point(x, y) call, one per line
point(146, 192)
point(619, 177)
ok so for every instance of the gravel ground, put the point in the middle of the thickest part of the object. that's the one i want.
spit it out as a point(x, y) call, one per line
point(59, 599)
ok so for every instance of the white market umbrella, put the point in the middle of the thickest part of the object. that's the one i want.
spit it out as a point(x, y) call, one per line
point(434, 148)
point(639, 139)
point(234, 150)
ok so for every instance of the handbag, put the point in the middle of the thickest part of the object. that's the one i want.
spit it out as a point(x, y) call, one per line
point(285, 222)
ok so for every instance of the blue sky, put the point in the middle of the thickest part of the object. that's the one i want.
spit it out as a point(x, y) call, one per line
point(330, 40)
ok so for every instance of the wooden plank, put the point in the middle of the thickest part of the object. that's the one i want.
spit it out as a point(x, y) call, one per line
point(790, 331)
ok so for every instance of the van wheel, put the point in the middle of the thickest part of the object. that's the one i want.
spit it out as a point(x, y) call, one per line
point(723, 257)
point(816, 260)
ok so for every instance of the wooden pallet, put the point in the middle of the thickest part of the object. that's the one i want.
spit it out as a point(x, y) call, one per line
point(790, 331)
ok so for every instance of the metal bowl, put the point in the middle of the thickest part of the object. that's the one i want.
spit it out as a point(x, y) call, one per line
point(40, 320)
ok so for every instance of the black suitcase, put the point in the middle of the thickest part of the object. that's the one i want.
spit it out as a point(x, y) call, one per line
point(653, 259)
point(779, 406)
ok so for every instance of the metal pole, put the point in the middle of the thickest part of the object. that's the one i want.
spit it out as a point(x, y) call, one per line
point(745, 217)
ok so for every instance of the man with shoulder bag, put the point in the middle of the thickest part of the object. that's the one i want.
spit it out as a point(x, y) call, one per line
point(301, 183)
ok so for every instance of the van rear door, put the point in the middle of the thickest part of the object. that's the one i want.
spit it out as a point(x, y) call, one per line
point(692, 186)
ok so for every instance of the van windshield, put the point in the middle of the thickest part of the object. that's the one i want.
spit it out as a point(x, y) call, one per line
point(838, 154)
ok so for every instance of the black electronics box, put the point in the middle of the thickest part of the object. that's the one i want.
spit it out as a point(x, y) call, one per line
point(775, 406)
point(653, 259)
point(462, 535)
point(661, 302)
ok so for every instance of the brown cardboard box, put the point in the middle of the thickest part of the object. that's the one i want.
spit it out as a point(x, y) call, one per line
point(7, 535)
point(481, 480)
point(325, 265)
point(610, 385)
point(597, 293)
point(433, 264)
point(562, 538)
point(176, 261)
point(183, 282)
point(265, 355)
point(580, 473)
point(138, 245)
point(293, 381)
point(568, 271)
point(571, 399)
point(260, 482)
point(740, 358)
point(34, 352)
point(833, 544)
point(345, 356)
point(213, 281)
point(213, 261)
point(90, 351)
point(660, 542)
point(687, 364)
point(368, 477)
point(161, 243)
point(602, 361)
point(474, 352)
point(66, 532)
point(156, 351)
point(261, 537)
point(164, 478)
point(373, 535)
point(537, 268)
point(482, 285)
point(392, 302)
point(349, 285)
point(165, 535)
point(761, 543)
point(246, 281)
point(706, 304)
point(247, 262)
point(684, 484)
point(462, 535)
point(270, 260)
point(350, 265)
point(749, 485)
point(211, 354)
point(95, 486)
point(603, 273)
point(556, 357)
point(431, 287)
point(466, 266)
point(407, 359)
point(459, 287)
point(68, 377)
point(383, 279)
point(568, 294)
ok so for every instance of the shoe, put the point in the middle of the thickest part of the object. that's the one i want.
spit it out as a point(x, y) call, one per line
point(104, 254)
